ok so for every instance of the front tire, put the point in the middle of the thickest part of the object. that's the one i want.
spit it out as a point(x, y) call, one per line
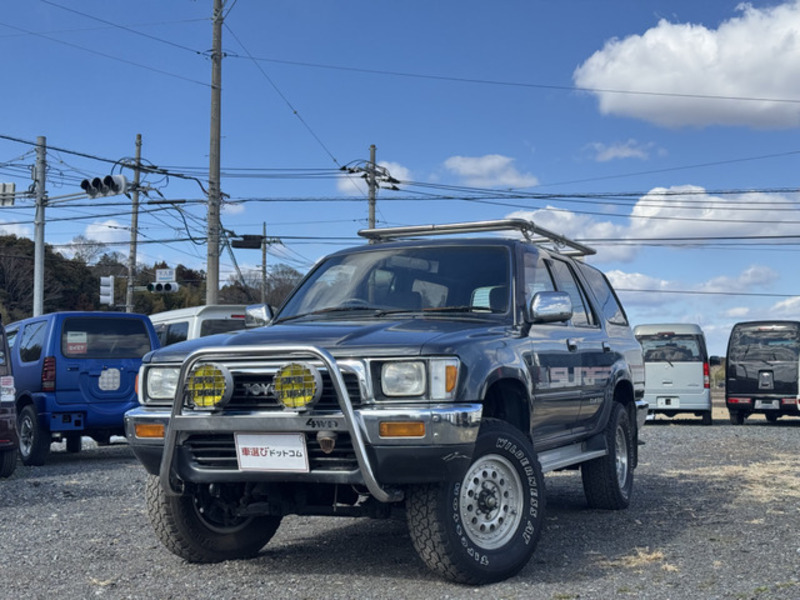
point(34, 441)
point(200, 526)
point(484, 526)
point(608, 480)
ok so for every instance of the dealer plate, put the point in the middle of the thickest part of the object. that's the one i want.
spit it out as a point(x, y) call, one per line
point(276, 452)
point(767, 404)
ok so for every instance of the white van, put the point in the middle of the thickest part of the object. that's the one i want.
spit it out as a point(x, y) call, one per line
point(677, 374)
point(173, 326)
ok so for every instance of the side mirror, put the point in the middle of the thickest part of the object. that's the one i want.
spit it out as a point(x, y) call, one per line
point(257, 315)
point(550, 307)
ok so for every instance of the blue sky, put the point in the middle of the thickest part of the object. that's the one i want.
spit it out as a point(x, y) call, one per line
point(665, 134)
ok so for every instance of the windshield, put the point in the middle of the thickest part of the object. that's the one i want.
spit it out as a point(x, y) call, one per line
point(430, 279)
point(779, 342)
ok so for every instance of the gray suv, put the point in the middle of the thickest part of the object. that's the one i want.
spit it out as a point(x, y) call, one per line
point(439, 376)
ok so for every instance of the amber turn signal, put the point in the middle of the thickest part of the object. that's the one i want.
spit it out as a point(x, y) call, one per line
point(389, 429)
point(149, 430)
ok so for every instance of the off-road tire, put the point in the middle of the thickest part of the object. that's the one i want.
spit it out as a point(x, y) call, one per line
point(608, 480)
point(197, 527)
point(34, 441)
point(485, 526)
point(8, 462)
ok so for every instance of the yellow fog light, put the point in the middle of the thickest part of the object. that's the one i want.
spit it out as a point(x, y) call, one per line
point(149, 430)
point(298, 385)
point(406, 429)
point(209, 386)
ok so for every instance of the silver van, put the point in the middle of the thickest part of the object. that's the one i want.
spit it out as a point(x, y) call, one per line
point(677, 375)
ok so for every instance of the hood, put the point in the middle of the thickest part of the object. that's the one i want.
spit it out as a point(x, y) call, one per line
point(408, 337)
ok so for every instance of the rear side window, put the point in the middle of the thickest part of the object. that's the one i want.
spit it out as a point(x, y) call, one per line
point(172, 333)
point(31, 341)
point(83, 337)
point(671, 348)
point(212, 326)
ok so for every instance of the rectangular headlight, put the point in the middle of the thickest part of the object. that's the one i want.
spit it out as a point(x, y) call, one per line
point(161, 383)
point(403, 378)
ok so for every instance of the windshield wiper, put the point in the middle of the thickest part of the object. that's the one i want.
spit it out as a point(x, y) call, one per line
point(332, 309)
point(465, 308)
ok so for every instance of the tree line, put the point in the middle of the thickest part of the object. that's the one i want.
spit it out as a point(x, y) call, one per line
point(74, 283)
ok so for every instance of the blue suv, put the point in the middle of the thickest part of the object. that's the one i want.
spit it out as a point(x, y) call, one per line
point(75, 375)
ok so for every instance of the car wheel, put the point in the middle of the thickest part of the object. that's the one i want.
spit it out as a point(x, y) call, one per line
point(74, 444)
point(484, 526)
point(201, 526)
point(771, 417)
point(707, 418)
point(8, 462)
point(608, 480)
point(34, 442)
point(737, 417)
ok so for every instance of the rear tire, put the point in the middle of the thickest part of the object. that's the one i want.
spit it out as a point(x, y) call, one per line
point(8, 462)
point(608, 480)
point(737, 417)
point(771, 417)
point(485, 526)
point(200, 526)
point(707, 418)
point(34, 441)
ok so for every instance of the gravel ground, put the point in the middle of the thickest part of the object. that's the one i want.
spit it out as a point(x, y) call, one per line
point(715, 514)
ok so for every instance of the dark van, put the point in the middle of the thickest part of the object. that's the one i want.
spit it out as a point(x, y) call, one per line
point(75, 375)
point(761, 370)
point(8, 412)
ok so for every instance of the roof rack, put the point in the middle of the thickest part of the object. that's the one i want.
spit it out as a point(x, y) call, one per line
point(531, 231)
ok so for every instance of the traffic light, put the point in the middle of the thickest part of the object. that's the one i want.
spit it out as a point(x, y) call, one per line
point(163, 287)
point(107, 290)
point(110, 185)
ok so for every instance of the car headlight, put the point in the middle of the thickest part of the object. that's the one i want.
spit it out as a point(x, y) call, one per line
point(161, 383)
point(403, 378)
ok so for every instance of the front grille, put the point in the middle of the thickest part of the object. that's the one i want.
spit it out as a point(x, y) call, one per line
point(261, 398)
point(218, 452)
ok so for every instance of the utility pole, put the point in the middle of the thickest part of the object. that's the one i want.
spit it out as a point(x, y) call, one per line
point(134, 225)
point(264, 263)
point(372, 186)
point(214, 193)
point(38, 223)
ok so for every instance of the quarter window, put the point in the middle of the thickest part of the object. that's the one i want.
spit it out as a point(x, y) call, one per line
point(609, 303)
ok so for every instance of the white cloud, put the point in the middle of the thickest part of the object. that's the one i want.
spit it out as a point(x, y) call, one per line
point(755, 54)
point(16, 229)
point(107, 232)
point(620, 150)
point(739, 312)
point(491, 170)
point(787, 309)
